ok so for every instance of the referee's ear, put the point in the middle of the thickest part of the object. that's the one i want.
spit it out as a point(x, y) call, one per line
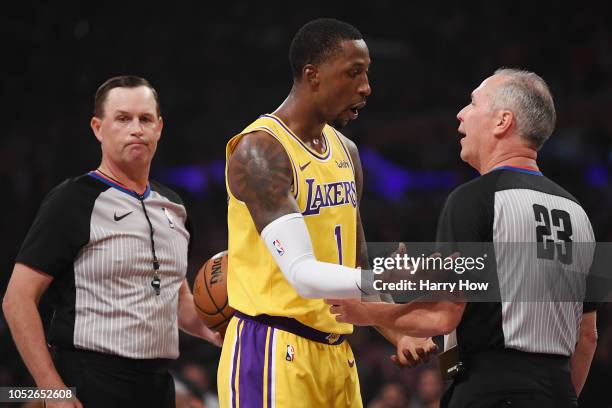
point(95, 124)
point(161, 125)
point(504, 120)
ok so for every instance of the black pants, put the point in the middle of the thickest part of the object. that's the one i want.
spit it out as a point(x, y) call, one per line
point(104, 380)
point(512, 379)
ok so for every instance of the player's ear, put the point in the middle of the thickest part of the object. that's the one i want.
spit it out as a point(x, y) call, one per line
point(310, 73)
point(96, 124)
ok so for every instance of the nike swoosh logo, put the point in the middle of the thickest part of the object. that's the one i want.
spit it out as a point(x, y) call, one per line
point(121, 217)
point(304, 166)
point(351, 363)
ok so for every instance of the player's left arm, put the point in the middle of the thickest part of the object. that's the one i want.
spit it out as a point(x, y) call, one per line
point(190, 322)
point(580, 362)
point(410, 351)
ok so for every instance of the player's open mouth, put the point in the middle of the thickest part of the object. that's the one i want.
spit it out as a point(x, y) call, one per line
point(355, 110)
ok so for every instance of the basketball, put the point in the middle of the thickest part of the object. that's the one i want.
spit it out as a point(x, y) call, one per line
point(210, 293)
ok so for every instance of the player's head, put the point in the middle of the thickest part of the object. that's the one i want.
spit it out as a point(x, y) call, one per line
point(127, 120)
point(330, 60)
point(511, 106)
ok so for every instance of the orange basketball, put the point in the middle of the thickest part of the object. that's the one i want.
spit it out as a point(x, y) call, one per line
point(210, 293)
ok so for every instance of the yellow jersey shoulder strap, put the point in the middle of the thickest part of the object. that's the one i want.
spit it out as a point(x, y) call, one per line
point(338, 137)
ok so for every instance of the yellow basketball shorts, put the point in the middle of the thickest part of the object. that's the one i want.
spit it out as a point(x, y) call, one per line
point(264, 365)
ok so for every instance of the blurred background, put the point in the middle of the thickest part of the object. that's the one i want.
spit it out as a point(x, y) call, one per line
point(218, 66)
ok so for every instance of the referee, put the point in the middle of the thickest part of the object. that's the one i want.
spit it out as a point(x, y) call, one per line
point(516, 353)
point(111, 247)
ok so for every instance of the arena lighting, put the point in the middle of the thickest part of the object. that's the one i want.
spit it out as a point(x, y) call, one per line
point(392, 181)
point(597, 175)
point(385, 178)
point(195, 178)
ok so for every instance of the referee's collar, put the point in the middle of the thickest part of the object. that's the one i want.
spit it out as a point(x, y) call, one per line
point(120, 187)
point(525, 170)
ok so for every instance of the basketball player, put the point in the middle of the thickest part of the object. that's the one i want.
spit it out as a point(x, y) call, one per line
point(520, 354)
point(295, 235)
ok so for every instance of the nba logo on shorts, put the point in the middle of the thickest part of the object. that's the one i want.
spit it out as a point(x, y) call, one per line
point(279, 247)
point(290, 353)
point(332, 338)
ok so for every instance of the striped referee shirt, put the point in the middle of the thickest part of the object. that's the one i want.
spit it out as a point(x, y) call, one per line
point(92, 236)
point(504, 207)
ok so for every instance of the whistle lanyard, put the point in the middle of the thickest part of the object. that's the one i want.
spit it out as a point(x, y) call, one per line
point(156, 281)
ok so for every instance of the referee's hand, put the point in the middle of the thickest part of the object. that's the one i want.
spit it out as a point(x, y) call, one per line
point(412, 351)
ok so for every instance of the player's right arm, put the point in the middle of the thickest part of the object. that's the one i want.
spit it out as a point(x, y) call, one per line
point(259, 174)
point(20, 307)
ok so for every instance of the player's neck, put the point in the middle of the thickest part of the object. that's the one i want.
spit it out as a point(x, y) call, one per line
point(298, 113)
point(133, 179)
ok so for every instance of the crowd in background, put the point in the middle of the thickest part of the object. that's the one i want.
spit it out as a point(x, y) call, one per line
point(216, 70)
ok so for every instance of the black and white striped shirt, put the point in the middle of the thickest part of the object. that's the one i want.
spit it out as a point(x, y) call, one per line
point(507, 207)
point(92, 236)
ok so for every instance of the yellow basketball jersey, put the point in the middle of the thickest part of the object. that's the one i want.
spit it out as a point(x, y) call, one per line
point(325, 191)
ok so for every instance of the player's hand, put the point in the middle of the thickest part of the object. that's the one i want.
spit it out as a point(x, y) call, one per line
point(395, 275)
point(401, 250)
point(412, 351)
point(75, 403)
point(398, 274)
point(351, 311)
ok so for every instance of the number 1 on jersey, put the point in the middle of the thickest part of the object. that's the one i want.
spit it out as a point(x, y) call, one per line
point(338, 234)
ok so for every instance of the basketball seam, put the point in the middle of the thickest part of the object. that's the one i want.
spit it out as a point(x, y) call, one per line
point(212, 299)
point(225, 319)
point(207, 313)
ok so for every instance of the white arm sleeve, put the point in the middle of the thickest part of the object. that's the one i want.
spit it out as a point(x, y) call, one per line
point(289, 243)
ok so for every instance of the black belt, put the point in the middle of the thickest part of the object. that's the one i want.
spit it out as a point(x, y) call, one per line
point(293, 326)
